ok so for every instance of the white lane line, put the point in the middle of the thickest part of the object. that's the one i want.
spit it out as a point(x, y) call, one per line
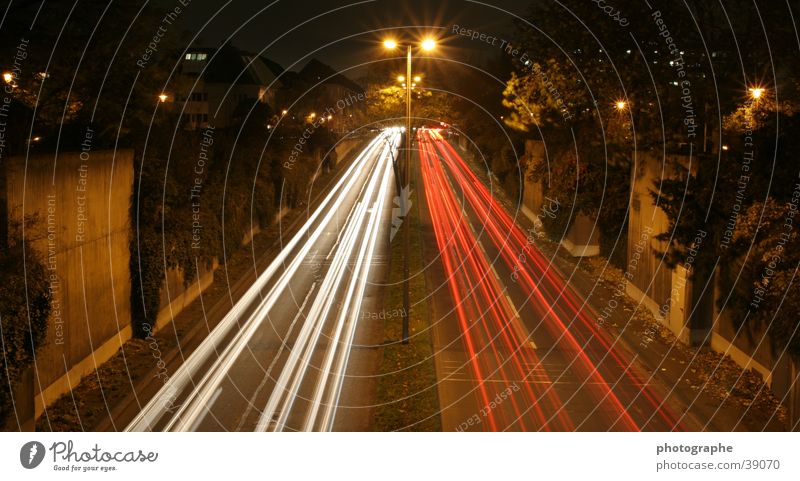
point(517, 325)
point(497, 276)
point(268, 373)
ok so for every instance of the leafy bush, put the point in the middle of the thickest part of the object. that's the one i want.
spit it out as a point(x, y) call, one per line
point(24, 310)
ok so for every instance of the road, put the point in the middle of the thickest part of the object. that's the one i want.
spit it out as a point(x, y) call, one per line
point(516, 347)
point(282, 357)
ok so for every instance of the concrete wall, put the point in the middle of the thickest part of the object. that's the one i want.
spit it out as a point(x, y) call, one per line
point(649, 279)
point(176, 295)
point(679, 298)
point(684, 300)
point(344, 148)
point(533, 188)
point(583, 236)
point(82, 201)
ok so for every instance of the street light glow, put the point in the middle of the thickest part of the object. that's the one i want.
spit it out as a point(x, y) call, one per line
point(417, 78)
point(284, 112)
point(621, 105)
point(756, 92)
point(162, 98)
point(8, 77)
point(401, 78)
point(391, 44)
point(428, 44)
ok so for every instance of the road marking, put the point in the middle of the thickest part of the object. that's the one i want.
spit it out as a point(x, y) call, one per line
point(207, 410)
point(517, 324)
point(497, 276)
point(268, 373)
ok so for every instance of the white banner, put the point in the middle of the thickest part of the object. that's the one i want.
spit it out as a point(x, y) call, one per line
point(399, 456)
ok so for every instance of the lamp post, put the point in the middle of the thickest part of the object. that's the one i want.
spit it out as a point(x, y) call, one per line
point(427, 45)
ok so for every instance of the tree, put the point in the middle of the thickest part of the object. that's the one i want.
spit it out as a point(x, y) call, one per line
point(24, 309)
point(79, 67)
point(744, 194)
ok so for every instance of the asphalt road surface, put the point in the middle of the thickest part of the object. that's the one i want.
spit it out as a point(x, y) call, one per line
point(282, 357)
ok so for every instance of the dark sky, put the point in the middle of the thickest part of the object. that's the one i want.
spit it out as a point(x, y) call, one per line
point(350, 35)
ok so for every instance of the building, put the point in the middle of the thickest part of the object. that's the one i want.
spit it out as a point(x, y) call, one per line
point(220, 81)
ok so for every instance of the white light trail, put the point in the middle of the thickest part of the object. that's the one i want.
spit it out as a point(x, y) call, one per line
point(193, 406)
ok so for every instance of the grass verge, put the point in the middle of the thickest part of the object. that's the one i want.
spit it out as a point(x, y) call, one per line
point(407, 397)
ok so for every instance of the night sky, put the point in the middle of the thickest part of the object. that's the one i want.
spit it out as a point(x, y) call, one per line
point(351, 33)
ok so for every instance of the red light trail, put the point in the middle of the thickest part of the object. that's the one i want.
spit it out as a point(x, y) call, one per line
point(597, 362)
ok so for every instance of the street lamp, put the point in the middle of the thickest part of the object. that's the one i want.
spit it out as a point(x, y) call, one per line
point(621, 104)
point(756, 92)
point(427, 45)
point(8, 77)
point(401, 78)
point(163, 98)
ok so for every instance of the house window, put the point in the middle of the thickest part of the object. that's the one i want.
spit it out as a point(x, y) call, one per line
point(195, 56)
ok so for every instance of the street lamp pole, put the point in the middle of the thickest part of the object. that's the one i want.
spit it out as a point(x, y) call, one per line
point(406, 213)
point(427, 44)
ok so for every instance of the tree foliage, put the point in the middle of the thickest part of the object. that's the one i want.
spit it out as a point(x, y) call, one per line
point(24, 309)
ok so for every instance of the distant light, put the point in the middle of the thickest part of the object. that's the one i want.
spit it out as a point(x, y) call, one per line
point(621, 105)
point(401, 78)
point(163, 98)
point(417, 78)
point(284, 112)
point(330, 117)
point(312, 114)
point(756, 92)
point(8, 77)
point(428, 44)
point(390, 44)
point(724, 147)
point(269, 127)
point(627, 51)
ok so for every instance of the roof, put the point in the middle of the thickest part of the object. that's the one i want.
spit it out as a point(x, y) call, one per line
point(229, 65)
point(316, 71)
